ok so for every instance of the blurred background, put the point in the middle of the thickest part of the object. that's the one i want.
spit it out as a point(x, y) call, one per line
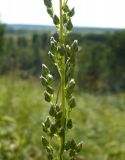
point(25, 30)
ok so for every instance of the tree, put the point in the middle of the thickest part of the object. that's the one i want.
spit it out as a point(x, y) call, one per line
point(2, 33)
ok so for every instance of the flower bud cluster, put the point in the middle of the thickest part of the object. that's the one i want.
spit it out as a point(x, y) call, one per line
point(67, 14)
point(49, 6)
point(52, 125)
point(47, 80)
point(48, 147)
point(73, 148)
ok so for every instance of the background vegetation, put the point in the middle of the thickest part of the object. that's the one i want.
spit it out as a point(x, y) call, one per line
point(100, 110)
point(100, 60)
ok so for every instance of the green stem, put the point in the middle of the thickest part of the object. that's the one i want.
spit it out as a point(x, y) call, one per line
point(62, 86)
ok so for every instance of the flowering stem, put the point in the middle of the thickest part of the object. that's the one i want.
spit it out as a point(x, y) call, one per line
point(63, 57)
point(62, 85)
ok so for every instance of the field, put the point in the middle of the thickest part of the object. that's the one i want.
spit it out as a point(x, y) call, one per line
point(99, 122)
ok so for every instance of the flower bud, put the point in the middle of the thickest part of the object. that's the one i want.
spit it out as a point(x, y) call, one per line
point(72, 102)
point(49, 149)
point(68, 72)
point(53, 129)
point(47, 96)
point(61, 132)
point(52, 57)
point(48, 3)
point(72, 153)
point(44, 128)
point(73, 144)
point(71, 12)
point(71, 85)
point(45, 70)
point(68, 50)
point(67, 145)
point(62, 50)
point(50, 11)
point(69, 124)
point(44, 141)
point(52, 38)
point(49, 89)
point(57, 108)
point(79, 147)
point(52, 111)
point(50, 156)
point(47, 122)
point(55, 20)
point(64, 18)
point(58, 123)
point(44, 81)
point(53, 47)
point(65, 8)
point(74, 46)
point(69, 25)
point(49, 78)
point(59, 115)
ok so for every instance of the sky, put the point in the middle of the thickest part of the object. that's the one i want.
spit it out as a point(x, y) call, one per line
point(89, 13)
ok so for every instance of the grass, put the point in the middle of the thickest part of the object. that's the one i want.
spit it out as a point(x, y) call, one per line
point(100, 122)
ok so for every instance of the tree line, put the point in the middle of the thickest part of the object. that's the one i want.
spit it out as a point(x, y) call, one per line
point(100, 60)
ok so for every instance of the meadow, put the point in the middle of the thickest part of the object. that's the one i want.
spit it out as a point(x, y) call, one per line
point(100, 122)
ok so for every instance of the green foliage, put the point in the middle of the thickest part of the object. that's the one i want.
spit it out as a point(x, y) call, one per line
point(100, 123)
point(2, 34)
point(100, 59)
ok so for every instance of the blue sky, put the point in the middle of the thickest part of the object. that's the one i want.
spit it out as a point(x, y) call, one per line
point(92, 13)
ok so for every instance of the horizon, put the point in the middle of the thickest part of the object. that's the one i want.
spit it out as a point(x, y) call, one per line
point(96, 13)
point(50, 25)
